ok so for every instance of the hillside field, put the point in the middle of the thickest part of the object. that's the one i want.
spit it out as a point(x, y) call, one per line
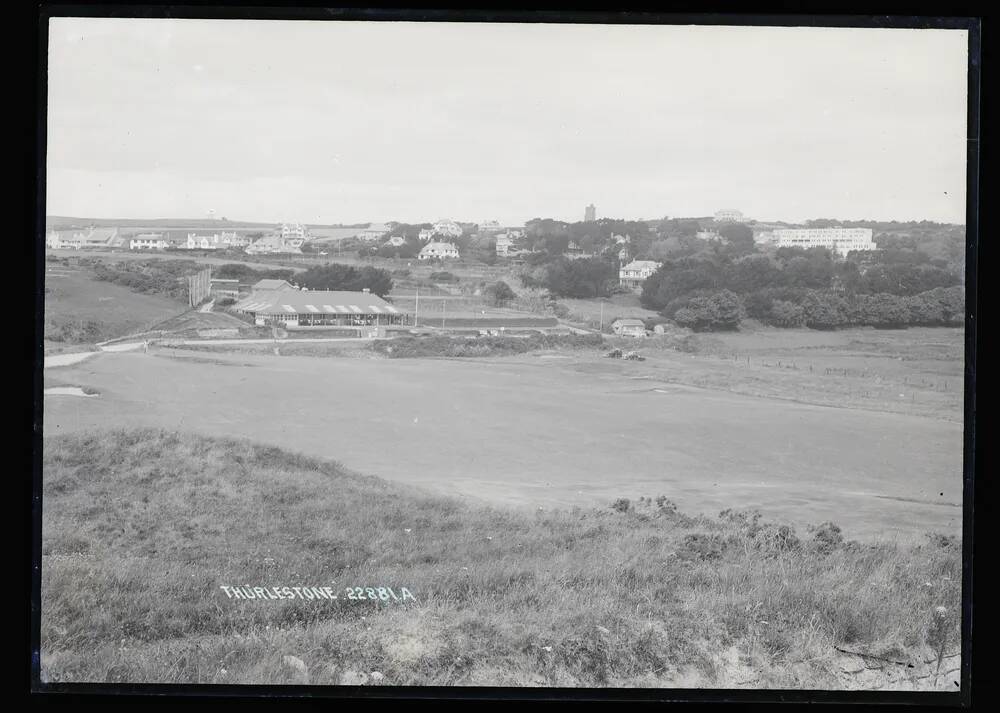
point(80, 310)
point(143, 528)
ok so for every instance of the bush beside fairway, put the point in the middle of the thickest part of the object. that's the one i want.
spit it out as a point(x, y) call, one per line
point(142, 527)
point(442, 346)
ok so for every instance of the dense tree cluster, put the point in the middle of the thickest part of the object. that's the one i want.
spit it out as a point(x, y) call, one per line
point(795, 287)
point(715, 311)
point(248, 275)
point(334, 276)
point(586, 277)
point(498, 293)
point(552, 237)
point(154, 277)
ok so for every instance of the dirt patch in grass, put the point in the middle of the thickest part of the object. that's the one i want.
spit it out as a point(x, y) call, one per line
point(151, 524)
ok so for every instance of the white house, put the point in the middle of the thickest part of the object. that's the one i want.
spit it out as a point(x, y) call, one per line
point(635, 273)
point(438, 251)
point(293, 230)
point(148, 241)
point(490, 226)
point(448, 228)
point(426, 234)
point(274, 244)
point(396, 241)
point(202, 242)
point(506, 243)
point(629, 327)
point(235, 240)
point(89, 238)
point(62, 240)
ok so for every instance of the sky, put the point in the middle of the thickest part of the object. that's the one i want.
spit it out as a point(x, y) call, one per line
point(351, 122)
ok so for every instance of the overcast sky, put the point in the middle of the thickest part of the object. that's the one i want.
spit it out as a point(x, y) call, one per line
point(327, 122)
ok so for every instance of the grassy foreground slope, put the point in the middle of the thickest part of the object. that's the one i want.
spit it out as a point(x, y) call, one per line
point(141, 528)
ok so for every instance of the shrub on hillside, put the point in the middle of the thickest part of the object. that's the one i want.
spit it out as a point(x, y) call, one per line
point(827, 537)
point(719, 311)
point(443, 276)
point(498, 293)
point(824, 310)
point(621, 505)
point(785, 314)
point(560, 311)
point(881, 310)
point(81, 331)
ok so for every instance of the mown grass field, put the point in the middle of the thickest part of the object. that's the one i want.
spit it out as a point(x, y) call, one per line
point(141, 528)
point(918, 371)
point(587, 429)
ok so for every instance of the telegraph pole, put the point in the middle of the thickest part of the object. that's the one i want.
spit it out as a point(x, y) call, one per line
point(416, 309)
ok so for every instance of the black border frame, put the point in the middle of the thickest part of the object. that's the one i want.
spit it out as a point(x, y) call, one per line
point(305, 12)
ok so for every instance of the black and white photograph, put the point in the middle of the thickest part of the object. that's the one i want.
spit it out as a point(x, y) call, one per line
point(413, 353)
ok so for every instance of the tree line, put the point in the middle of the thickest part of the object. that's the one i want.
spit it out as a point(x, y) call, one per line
point(331, 276)
point(797, 287)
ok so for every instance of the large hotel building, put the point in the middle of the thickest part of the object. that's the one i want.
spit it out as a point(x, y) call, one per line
point(840, 240)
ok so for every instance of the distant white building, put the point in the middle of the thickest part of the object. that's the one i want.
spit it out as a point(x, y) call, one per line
point(275, 245)
point(216, 241)
point(374, 232)
point(202, 242)
point(148, 241)
point(839, 240)
point(448, 228)
point(710, 235)
point(629, 327)
point(438, 251)
point(490, 226)
point(729, 215)
point(395, 241)
point(62, 240)
point(426, 234)
point(290, 231)
point(234, 240)
point(635, 273)
point(89, 238)
point(505, 244)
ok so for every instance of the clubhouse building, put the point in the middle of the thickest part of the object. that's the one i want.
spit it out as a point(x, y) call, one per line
point(280, 304)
